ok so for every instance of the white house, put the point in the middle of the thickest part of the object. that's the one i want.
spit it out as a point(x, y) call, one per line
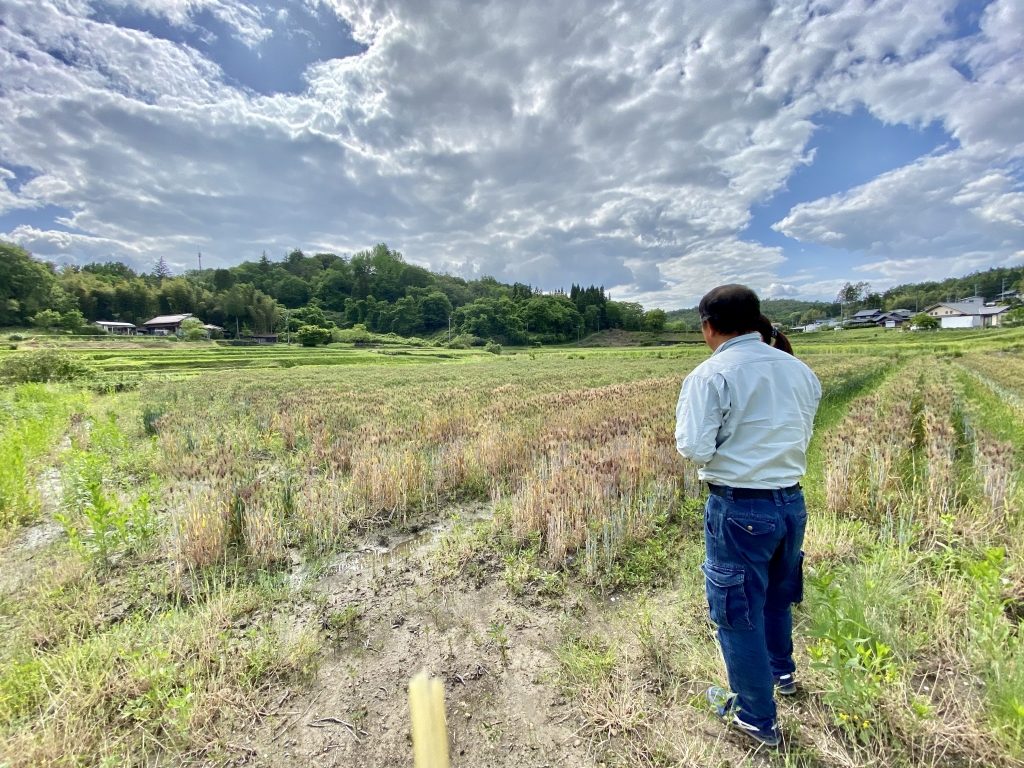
point(972, 312)
point(117, 328)
point(810, 327)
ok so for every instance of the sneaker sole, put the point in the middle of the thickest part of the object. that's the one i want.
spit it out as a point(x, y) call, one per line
point(738, 726)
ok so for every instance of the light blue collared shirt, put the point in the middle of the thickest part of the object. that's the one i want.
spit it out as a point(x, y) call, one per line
point(746, 414)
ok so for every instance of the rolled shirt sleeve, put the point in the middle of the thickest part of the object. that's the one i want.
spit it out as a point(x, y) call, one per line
point(700, 414)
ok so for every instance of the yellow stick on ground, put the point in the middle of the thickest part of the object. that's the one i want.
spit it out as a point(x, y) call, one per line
point(429, 728)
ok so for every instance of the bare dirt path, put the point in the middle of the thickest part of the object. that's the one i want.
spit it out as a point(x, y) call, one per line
point(389, 618)
point(28, 548)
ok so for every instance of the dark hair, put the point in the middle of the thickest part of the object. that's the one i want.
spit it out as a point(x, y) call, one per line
point(731, 309)
point(773, 336)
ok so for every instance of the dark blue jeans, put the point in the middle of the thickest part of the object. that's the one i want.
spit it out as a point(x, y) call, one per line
point(754, 573)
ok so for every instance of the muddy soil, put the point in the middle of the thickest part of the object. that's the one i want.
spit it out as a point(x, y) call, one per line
point(29, 548)
point(495, 657)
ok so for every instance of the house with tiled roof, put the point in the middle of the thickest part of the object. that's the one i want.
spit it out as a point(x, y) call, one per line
point(972, 312)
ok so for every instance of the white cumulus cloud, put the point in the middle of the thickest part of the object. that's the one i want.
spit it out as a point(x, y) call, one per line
point(547, 143)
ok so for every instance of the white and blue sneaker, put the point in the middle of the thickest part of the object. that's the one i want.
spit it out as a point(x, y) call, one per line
point(785, 685)
point(723, 702)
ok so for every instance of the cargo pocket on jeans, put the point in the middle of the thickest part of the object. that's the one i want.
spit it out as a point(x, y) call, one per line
point(798, 580)
point(791, 589)
point(727, 598)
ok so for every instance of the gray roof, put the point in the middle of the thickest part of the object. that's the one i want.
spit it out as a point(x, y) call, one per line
point(115, 323)
point(868, 313)
point(168, 319)
point(970, 307)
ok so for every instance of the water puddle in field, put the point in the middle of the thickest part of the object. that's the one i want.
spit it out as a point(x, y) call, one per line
point(373, 558)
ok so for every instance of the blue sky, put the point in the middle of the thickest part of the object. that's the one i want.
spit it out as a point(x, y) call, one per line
point(658, 151)
point(848, 150)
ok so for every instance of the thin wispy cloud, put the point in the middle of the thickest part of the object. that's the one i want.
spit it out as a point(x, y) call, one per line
point(657, 148)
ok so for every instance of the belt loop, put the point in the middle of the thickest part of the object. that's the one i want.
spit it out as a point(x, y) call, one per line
point(729, 493)
point(777, 495)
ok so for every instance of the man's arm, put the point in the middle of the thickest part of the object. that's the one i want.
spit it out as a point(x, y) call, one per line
point(699, 417)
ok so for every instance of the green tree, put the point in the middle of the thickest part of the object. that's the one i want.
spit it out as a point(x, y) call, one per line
point(72, 320)
point(192, 329)
point(404, 317)
point(335, 286)
point(161, 271)
point(178, 296)
point(852, 293)
point(654, 320)
point(924, 321)
point(491, 318)
point(1014, 318)
point(551, 318)
point(312, 335)
point(264, 312)
point(291, 291)
point(631, 314)
point(435, 308)
point(46, 319)
point(223, 279)
point(25, 285)
point(311, 315)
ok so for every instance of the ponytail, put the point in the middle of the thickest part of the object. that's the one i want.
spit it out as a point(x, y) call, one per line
point(773, 336)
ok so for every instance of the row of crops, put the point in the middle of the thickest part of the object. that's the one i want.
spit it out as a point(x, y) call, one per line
point(186, 504)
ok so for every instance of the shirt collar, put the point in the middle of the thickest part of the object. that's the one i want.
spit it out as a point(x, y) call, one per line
point(752, 336)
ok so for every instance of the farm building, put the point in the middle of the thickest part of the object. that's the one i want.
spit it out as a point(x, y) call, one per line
point(117, 328)
point(261, 338)
point(894, 318)
point(170, 325)
point(972, 312)
point(165, 325)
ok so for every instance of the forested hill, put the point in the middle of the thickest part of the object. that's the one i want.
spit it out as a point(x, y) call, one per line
point(784, 311)
point(376, 288)
point(990, 284)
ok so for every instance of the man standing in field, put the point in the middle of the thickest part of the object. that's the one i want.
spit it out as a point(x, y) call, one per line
point(746, 415)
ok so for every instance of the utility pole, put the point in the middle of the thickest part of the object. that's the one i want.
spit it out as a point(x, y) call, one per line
point(288, 326)
point(449, 329)
point(200, 261)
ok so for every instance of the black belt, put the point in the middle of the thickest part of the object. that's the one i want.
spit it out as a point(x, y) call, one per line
point(750, 493)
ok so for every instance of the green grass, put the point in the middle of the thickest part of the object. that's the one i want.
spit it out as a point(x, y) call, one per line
point(32, 417)
point(156, 678)
point(991, 411)
point(835, 400)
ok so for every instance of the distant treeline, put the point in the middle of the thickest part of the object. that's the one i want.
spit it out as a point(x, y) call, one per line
point(989, 284)
point(375, 288)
